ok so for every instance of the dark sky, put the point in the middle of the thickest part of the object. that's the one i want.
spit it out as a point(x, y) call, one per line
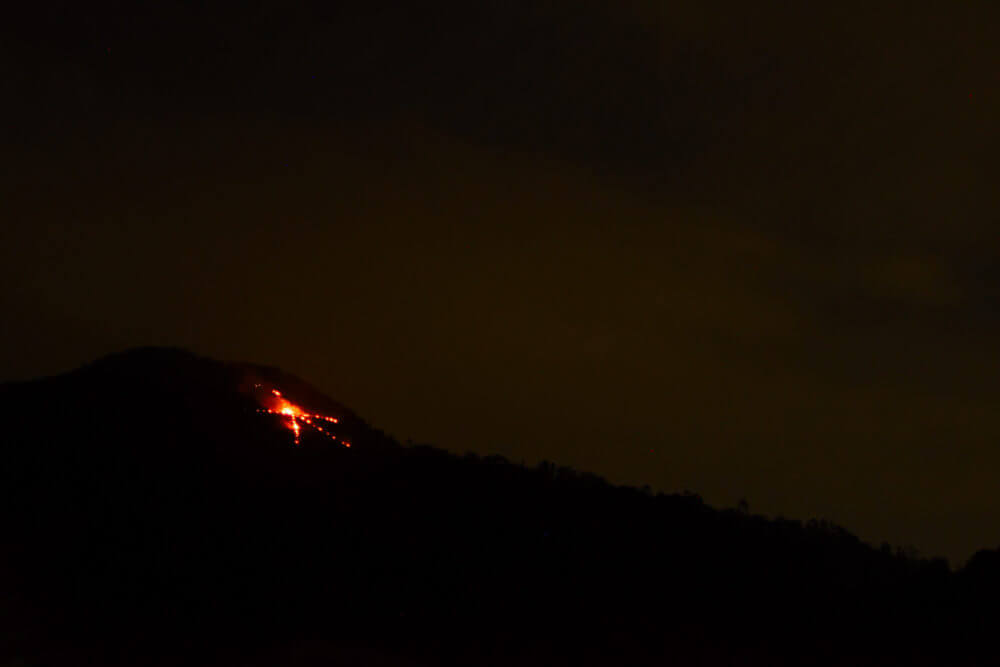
point(746, 249)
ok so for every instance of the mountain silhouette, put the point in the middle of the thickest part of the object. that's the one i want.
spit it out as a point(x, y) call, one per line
point(155, 512)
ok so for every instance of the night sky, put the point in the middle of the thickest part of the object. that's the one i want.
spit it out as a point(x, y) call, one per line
point(745, 249)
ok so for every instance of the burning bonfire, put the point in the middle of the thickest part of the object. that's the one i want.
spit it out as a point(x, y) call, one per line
point(294, 417)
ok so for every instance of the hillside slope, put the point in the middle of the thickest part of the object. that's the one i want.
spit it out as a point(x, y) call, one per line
point(154, 509)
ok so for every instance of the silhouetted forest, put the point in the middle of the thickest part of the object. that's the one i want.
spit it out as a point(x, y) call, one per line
point(152, 515)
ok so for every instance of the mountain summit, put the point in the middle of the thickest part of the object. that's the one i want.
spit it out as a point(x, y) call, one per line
point(160, 506)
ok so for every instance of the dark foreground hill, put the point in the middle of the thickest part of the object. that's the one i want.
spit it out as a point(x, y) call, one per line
point(153, 514)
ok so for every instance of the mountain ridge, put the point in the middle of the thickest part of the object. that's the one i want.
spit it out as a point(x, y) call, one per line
point(148, 491)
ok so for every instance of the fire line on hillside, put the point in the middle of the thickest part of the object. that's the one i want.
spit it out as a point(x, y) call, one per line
point(294, 417)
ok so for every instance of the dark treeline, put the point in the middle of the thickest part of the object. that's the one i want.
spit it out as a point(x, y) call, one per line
point(152, 515)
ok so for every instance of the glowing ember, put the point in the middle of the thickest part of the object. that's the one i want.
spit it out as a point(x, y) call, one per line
point(295, 417)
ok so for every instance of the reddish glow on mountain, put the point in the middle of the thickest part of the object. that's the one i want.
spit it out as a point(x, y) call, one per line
point(295, 417)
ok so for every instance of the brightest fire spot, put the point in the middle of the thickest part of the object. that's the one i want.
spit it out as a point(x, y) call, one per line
point(294, 417)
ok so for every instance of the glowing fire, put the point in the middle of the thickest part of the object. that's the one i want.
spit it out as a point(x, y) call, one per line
point(294, 417)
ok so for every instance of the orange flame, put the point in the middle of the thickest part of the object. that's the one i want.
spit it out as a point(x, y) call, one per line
point(295, 416)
